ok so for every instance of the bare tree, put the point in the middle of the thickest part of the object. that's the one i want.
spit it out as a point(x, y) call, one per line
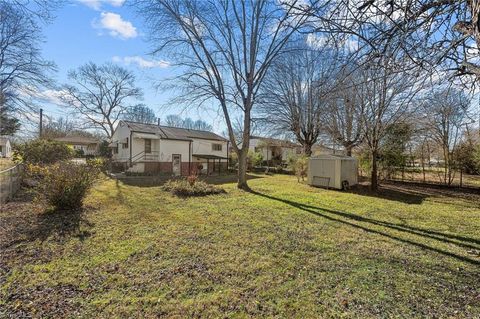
point(177, 121)
point(174, 120)
point(344, 114)
point(23, 71)
point(389, 95)
point(428, 32)
point(446, 114)
point(140, 113)
point(62, 126)
point(101, 94)
point(297, 90)
point(225, 49)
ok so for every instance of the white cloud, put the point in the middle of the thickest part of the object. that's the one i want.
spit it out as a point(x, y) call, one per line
point(116, 26)
point(141, 62)
point(52, 96)
point(97, 4)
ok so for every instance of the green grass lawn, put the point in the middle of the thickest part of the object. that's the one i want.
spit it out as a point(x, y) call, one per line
point(285, 250)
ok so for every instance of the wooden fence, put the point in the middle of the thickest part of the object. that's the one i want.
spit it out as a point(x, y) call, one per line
point(10, 180)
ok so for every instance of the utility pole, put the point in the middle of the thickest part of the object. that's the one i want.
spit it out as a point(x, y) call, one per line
point(41, 123)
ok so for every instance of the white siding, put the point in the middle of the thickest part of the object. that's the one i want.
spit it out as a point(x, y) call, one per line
point(6, 150)
point(121, 133)
point(170, 147)
point(330, 171)
point(204, 147)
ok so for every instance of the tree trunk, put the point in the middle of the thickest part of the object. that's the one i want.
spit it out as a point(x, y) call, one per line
point(374, 175)
point(348, 150)
point(242, 170)
point(307, 149)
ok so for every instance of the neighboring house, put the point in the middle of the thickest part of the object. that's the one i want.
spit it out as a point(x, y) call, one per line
point(318, 149)
point(151, 148)
point(89, 145)
point(274, 151)
point(5, 147)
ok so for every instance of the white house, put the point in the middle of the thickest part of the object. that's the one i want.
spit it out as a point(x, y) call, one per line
point(5, 147)
point(274, 150)
point(151, 148)
point(88, 145)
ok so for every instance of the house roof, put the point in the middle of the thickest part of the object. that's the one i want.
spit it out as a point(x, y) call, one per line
point(4, 140)
point(169, 132)
point(77, 140)
point(275, 141)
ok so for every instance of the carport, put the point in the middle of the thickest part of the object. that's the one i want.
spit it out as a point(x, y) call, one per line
point(213, 159)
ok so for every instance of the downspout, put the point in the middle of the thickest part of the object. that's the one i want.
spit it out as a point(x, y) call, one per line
point(130, 147)
point(189, 157)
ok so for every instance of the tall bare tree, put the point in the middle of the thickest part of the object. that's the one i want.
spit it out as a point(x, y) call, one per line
point(177, 121)
point(445, 117)
point(224, 49)
point(297, 90)
point(101, 94)
point(140, 113)
point(23, 71)
point(344, 114)
point(431, 33)
point(389, 96)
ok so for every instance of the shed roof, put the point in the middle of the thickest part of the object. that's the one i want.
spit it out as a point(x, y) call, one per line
point(332, 156)
point(169, 132)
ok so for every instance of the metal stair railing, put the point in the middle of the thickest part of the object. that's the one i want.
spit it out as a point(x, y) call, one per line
point(142, 156)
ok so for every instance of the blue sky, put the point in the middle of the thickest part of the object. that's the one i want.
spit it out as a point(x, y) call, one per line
point(109, 31)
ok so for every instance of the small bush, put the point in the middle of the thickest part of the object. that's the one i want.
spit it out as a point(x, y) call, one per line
point(192, 179)
point(298, 165)
point(65, 184)
point(254, 159)
point(79, 153)
point(41, 151)
point(182, 187)
point(99, 162)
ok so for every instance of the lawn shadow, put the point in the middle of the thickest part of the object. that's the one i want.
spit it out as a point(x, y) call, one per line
point(55, 224)
point(365, 224)
point(390, 193)
point(61, 224)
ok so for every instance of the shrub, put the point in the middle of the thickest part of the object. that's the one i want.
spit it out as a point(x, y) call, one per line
point(104, 150)
point(99, 163)
point(254, 159)
point(79, 153)
point(41, 151)
point(192, 179)
point(65, 184)
point(298, 165)
point(182, 187)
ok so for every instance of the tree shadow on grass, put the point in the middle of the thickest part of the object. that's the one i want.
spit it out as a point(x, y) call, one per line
point(365, 224)
point(390, 193)
point(61, 224)
point(57, 225)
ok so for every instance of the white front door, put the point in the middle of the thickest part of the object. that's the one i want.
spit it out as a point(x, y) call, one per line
point(176, 164)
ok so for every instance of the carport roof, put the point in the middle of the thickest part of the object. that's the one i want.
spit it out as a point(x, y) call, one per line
point(208, 156)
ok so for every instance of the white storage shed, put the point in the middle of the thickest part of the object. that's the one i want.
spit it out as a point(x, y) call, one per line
point(332, 171)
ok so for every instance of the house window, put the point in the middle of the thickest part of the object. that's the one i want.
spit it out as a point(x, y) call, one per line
point(216, 147)
point(115, 150)
point(148, 146)
point(125, 145)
